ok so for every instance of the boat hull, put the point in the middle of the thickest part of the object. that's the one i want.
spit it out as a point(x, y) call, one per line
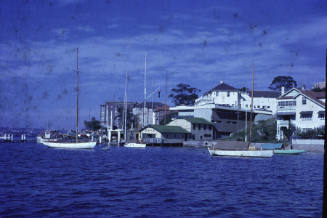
point(291, 151)
point(241, 153)
point(71, 145)
point(135, 145)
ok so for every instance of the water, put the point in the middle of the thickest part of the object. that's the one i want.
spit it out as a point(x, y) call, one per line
point(36, 181)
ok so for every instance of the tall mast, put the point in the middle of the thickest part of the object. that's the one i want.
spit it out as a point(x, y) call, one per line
point(250, 138)
point(125, 109)
point(144, 87)
point(77, 92)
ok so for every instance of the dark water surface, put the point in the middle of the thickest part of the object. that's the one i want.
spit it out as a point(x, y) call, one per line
point(36, 181)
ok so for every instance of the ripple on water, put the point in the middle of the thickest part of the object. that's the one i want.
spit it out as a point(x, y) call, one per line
point(166, 182)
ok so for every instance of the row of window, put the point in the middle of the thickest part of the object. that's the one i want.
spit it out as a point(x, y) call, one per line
point(201, 126)
point(287, 103)
point(309, 116)
point(258, 106)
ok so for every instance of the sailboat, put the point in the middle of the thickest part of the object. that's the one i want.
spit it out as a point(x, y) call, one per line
point(137, 144)
point(250, 151)
point(77, 144)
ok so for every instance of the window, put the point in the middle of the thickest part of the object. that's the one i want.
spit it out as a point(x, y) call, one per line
point(306, 115)
point(234, 122)
point(204, 126)
point(228, 94)
point(304, 100)
point(209, 127)
point(321, 114)
point(194, 126)
point(268, 106)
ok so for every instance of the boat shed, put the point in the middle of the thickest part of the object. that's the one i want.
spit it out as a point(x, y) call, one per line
point(161, 134)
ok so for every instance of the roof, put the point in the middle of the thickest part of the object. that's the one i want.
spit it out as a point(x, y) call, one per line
point(315, 96)
point(265, 94)
point(196, 120)
point(222, 87)
point(168, 129)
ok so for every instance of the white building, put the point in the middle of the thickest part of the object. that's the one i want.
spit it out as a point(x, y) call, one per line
point(303, 108)
point(200, 128)
point(227, 108)
point(226, 95)
point(162, 134)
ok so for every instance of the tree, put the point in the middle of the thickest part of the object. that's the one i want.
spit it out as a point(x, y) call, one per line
point(244, 89)
point(131, 119)
point(93, 124)
point(317, 89)
point(286, 81)
point(184, 94)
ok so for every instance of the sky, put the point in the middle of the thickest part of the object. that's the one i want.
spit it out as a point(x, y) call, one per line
point(199, 43)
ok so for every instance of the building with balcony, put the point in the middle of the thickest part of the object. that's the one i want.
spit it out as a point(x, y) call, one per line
point(302, 108)
point(228, 96)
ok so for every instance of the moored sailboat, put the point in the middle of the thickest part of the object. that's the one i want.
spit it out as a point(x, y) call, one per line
point(249, 151)
point(137, 144)
point(72, 144)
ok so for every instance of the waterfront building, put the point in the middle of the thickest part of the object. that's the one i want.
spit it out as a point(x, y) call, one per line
point(199, 128)
point(162, 134)
point(228, 108)
point(111, 113)
point(302, 108)
point(228, 96)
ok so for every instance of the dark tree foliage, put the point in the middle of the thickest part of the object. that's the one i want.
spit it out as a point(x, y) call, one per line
point(263, 131)
point(93, 124)
point(167, 118)
point(316, 133)
point(244, 89)
point(130, 120)
point(317, 89)
point(287, 81)
point(184, 94)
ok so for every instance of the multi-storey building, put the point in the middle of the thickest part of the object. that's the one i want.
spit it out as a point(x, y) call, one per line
point(302, 108)
point(226, 95)
point(151, 114)
point(228, 108)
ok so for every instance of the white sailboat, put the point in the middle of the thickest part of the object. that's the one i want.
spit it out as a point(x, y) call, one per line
point(251, 151)
point(136, 144)
point(77, 144)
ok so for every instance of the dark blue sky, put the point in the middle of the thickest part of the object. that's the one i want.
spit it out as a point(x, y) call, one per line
point(194, 42)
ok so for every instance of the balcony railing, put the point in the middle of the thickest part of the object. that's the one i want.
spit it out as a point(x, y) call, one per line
point(286, 108)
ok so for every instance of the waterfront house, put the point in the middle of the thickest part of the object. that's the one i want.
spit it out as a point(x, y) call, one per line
point(302, 108)
point(162, 134)
point(226, 95)
point(199, 128)
point(228, 108)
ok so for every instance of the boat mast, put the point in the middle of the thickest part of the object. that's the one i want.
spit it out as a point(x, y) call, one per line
point(125, 110)
point(77, 92)
point(250, 138)
point(144, 87)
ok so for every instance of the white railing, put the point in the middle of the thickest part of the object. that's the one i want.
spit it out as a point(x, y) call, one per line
point(286, 108)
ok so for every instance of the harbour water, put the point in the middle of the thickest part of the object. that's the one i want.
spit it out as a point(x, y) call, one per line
point(36, 181)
